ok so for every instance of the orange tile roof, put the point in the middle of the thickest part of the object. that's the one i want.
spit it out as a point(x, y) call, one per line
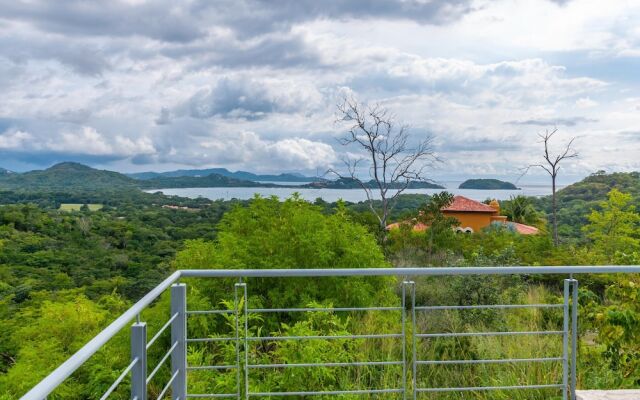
point(526, 229)
point(464, 204)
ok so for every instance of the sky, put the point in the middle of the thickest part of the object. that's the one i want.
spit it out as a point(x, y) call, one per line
point(136, 85)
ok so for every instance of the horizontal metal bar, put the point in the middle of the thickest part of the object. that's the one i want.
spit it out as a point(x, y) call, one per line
point(166, 356)
point(479, 388)
point(197, 312)
point(380, 336)
point(498, 361)
point(208, 367)
point(327, 272)
point(516, 333)
point(213, 339)
point(119, 379)
point(334, 364)
point(157, 335)
point(168, 385)
point(270, 310)
point(489, 306)
point(330, 392)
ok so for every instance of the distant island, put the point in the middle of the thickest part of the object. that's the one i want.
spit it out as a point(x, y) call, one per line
point(487, 184)
point(349, 183)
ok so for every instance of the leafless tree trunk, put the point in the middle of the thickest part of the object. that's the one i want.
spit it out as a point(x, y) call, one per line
point(393, 162)
point(552, 167)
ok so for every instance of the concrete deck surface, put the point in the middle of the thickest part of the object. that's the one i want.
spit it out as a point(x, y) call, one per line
point(607, 394)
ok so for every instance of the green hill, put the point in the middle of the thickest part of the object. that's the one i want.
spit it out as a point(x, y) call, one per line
point(576, 201)
point(66, 175)
point(487, 184)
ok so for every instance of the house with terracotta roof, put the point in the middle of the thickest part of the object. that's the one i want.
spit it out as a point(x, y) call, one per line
point(474, 216)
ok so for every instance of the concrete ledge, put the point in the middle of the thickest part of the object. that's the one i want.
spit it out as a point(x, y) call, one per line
point(607, 394)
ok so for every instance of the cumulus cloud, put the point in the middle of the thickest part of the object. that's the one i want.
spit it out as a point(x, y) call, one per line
point(85, 141)
point(14, 140)
point(238, 148)
point(243, 97)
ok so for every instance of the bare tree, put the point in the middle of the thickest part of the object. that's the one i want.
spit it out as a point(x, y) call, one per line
point(552, 167)
point(393, 162)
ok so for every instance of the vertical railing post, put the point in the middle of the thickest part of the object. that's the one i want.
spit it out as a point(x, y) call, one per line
point(237, 337)
point(246, 342)
point(574, 337)
point(565, 341)
point(404, 340)
point(179, 336)
point(414, 349)
point(139, 352)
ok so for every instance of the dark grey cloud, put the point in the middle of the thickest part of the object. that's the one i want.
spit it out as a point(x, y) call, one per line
point(81, 57)
point(571, 121)
point(165, 117)
point(160, 20)
point(241, 98)
point(167, 21)
point(84, 35)
point(230, 96)
point(255, 17)
point(273, 50)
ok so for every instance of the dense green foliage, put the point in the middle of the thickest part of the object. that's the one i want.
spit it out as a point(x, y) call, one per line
point(64, 275)
point(520, 209)
point(576, 201)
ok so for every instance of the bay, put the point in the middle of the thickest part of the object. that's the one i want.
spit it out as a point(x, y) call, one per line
point(351, 195)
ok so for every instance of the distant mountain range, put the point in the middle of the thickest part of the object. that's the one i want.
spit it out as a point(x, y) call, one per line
point(241, 175)
point(74, 176)
point(70, 175)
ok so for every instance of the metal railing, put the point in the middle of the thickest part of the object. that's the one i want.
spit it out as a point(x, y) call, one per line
point(408, 338)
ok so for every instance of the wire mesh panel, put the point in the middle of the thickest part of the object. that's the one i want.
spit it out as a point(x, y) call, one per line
point(449, 357)
point(320, 344)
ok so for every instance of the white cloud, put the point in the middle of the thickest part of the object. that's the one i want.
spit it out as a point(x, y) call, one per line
point(585, 102)
point(15, 139)
point(290, 153)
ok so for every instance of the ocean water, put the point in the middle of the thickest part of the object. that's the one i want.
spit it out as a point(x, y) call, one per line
point(351, 195)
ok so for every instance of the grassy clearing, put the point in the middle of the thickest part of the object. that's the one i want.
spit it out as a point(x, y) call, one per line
point(77, 207)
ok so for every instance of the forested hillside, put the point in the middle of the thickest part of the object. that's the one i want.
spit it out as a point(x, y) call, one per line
point(73, 177)
point(577, 200)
